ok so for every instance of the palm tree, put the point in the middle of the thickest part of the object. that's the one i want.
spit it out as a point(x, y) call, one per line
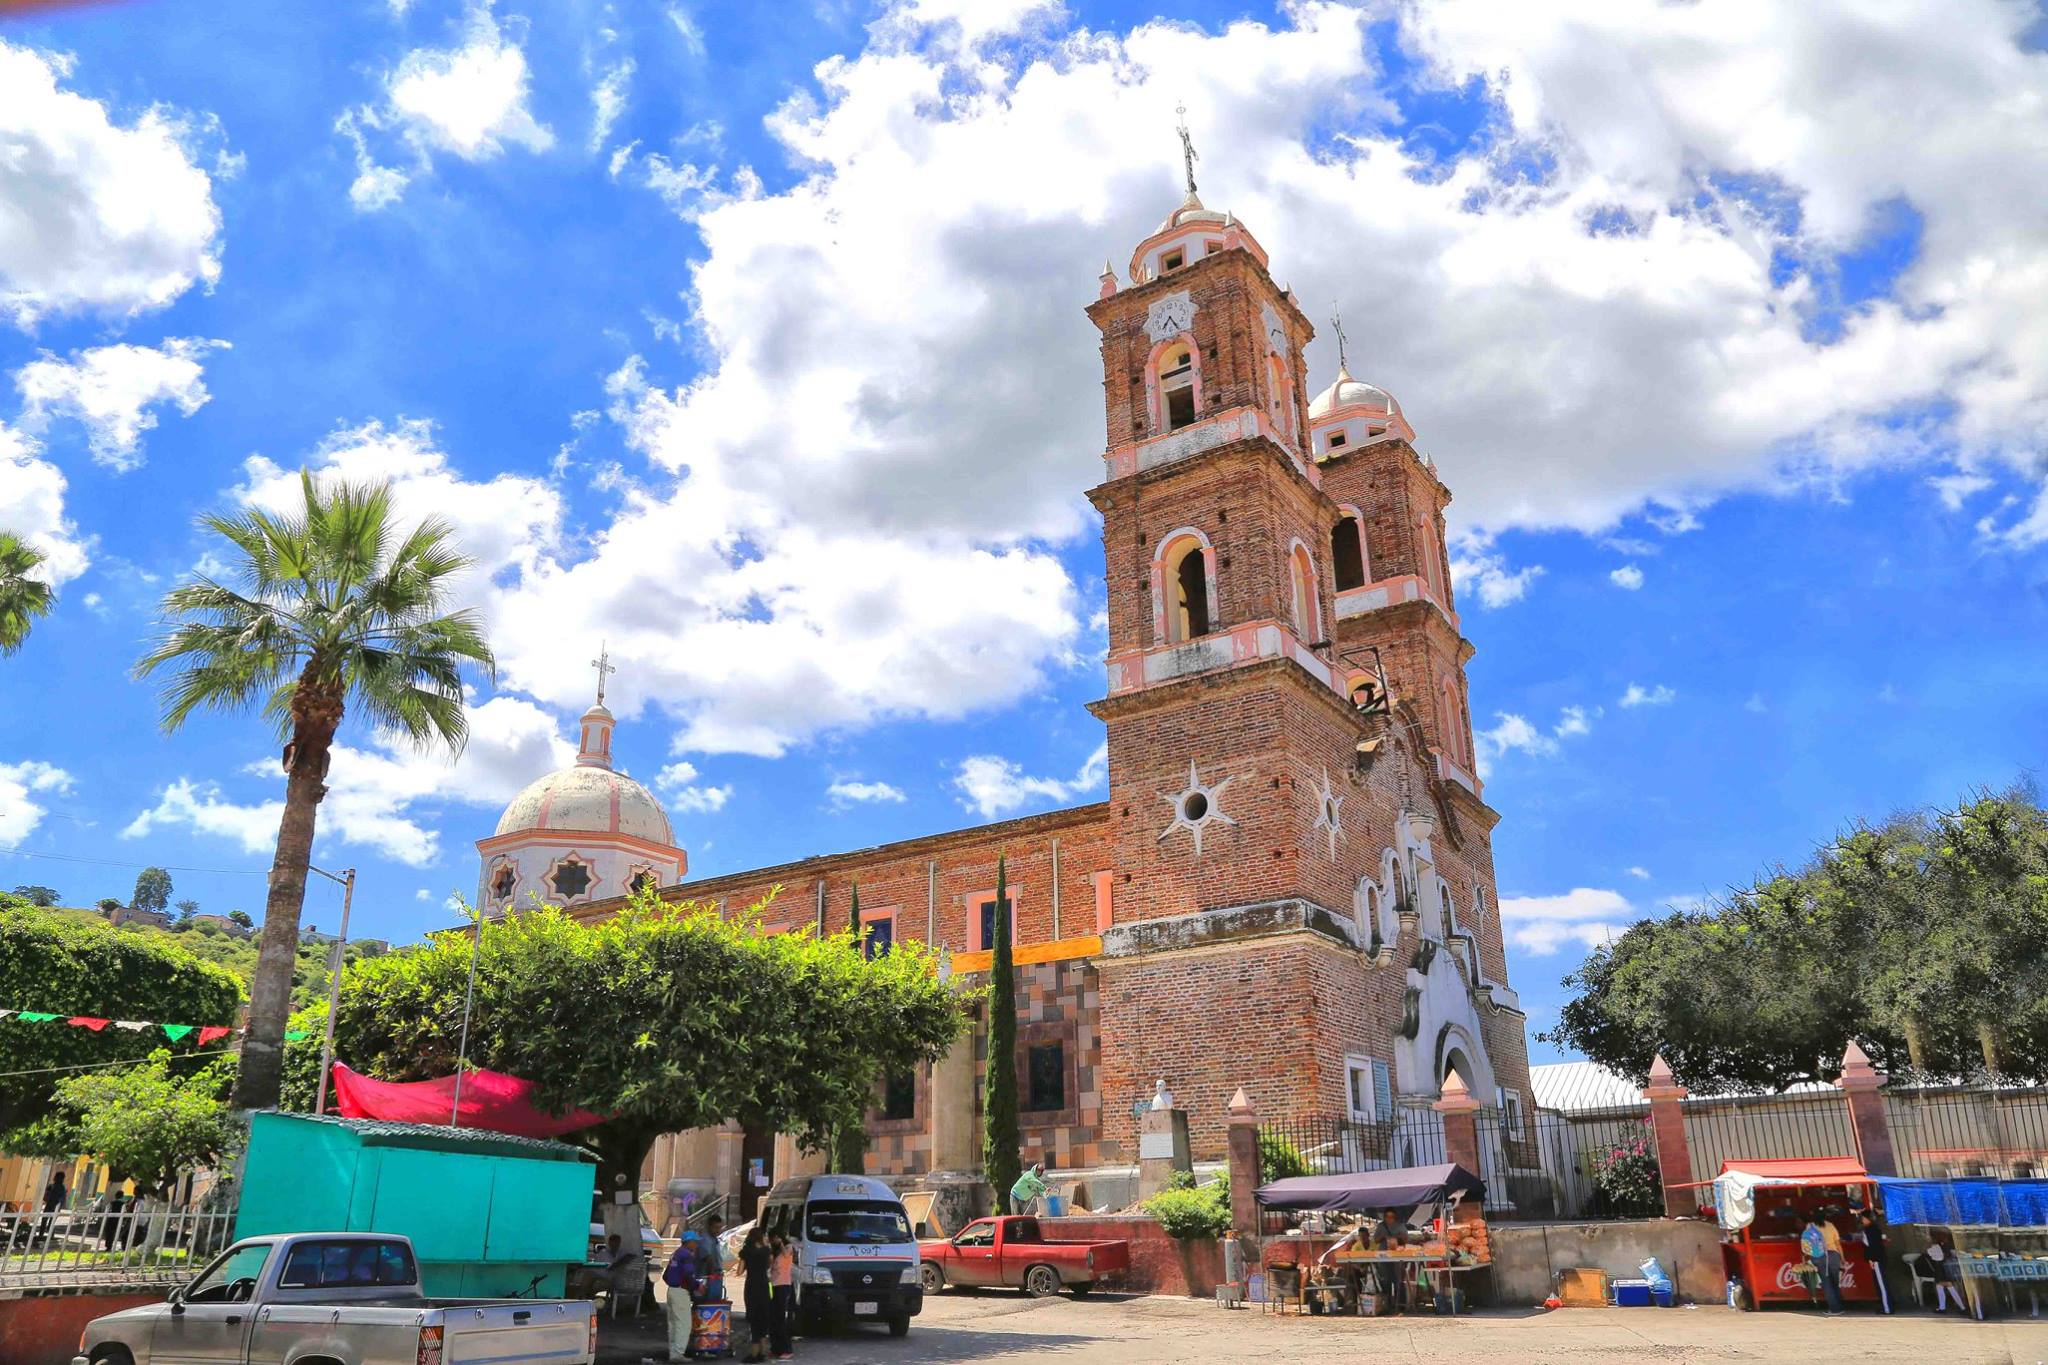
point(331, 608)
point(22, 599)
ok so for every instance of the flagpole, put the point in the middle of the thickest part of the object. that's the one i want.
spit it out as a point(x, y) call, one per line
point(348, 895)
point(476, 943)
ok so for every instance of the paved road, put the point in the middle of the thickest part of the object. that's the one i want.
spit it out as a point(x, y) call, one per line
point(1117, 1330)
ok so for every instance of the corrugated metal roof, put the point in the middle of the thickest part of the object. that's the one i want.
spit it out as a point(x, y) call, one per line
point(441, 1137)
point(1577, 1087)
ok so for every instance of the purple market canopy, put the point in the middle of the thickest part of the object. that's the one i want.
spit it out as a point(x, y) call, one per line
point(1372, 1191)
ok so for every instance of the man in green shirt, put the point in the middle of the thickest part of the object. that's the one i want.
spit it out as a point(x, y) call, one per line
point(1030, 1186)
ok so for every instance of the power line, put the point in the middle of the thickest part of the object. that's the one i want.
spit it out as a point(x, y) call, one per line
point(109, 1066)
point(115, 862)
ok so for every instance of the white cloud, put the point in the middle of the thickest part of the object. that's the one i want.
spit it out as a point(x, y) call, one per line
point(109, 390)
point(1628, 578)
point(202, 808)
point(1638, 695)
point(608, 100)
point(1517, 734)
point(468, 101)
point(1958, 488)
point(32, 506)
point(1584, 915)
point(687, 29)
point(19, 812)
point(847, 792)
point(1639, 873)
point(678, 782)
point(1477, 567)
point(996, 786)
point(383, 796)
point(99, 216)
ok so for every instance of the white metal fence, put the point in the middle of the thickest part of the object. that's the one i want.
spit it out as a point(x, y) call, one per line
point(82, 1248)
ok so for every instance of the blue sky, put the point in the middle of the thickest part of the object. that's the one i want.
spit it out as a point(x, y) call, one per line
point(754, 345)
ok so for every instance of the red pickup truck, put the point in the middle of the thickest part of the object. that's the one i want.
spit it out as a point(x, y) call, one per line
point(1012, 1251)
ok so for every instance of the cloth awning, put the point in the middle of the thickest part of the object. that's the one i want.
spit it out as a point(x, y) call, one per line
point(491, 1100)
point(1980, 1203)
point(1371, 1191)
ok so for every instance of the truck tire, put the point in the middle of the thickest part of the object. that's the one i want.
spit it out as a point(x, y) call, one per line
point(1081, 1291)
point(899, 1326)
point(1041, 1281)
point(112, 1355)
point(931, 1277)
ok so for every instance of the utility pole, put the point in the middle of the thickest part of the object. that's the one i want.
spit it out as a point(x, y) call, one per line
point(348, 895)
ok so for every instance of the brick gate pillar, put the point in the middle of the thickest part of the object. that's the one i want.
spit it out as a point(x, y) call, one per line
point(1244, 1167)
point(1667, 1127)
point(1862, 1086)
point(1460, 1110)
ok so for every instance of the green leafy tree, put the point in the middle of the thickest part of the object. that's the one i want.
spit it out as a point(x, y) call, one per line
point(1924, 938)
point(850, 1144)
point(329, 607)
point(187, 908)
point(148, 1121)
point(663, 1018)
point(108, 905)
point(241, 917)
point(152, 890)
point(23, 597)
point(59, 963)
point(40, 896)
point(1001, 1160)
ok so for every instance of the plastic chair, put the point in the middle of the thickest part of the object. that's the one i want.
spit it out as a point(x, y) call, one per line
point(1922, 1279)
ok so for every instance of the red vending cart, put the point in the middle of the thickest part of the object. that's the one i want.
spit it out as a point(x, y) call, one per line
point(1762, 1207)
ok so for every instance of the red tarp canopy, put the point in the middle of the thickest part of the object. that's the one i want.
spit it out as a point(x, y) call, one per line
point(1802, 1170)
point(491, 1100)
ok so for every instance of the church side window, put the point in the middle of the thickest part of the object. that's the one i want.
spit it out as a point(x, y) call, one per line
point(504, 882)
point(1347, 554)
point(570, 879)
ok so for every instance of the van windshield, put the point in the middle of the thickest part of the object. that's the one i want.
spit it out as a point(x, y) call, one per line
point(856, 1222)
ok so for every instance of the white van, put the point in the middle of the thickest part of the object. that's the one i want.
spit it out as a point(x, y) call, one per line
point(856, 1260)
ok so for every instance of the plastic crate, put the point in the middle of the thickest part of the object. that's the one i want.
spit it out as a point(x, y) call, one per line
point(1631, 1293)
point(1663, 1297)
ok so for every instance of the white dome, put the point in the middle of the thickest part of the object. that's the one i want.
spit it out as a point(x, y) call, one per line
point(1352, 393)
point(591, 800)
point(1190, 211)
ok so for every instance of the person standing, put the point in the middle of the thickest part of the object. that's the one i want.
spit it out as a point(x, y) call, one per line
point(680, 1276)
point(1030, 1187)
point(1831, 1262)
point(1871, 1232)
point(754, 1257)
point(54, 1195)
point(1813, 1245)
point(1391, 1233)
point(782, 1299)
point(711, 1262)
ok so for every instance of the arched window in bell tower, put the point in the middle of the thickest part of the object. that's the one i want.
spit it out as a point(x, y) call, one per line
point(1347, 553)
point(1177, 388)
point(1302, 607)
point(1187, 591)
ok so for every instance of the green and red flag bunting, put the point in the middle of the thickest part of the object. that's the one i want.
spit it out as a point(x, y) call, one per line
point(208, 1033)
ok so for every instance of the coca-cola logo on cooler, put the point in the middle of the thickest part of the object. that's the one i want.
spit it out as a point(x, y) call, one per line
point(1788, 1276)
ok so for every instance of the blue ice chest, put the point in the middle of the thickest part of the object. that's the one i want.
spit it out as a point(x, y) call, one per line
point(1631, 1293)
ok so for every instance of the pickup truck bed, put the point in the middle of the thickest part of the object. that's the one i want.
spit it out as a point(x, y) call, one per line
point(1012, 1252)
point(352, 1298)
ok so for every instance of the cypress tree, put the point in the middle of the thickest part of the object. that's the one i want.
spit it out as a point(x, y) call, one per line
point(850, 1143)
point(1001, 1161)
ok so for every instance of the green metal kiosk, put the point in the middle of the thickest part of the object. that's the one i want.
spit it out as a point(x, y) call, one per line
point(489, 1214)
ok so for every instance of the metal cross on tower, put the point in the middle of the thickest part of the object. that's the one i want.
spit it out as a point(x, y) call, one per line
point(1187, 147)
point(1337, 324)
point(603, 664)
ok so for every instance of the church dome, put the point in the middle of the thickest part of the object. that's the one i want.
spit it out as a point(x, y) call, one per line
point(1352, 393)
point(588, 799)
point(1190, 212)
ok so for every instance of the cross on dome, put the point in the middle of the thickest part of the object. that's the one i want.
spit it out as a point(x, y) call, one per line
point(1187, 148)
point(604, 666)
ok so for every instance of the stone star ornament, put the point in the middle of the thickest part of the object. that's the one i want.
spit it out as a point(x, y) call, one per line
point(1195, 807)
point(1329, 807)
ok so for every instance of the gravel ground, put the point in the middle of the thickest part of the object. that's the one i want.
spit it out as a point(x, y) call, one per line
point(1133, 1330)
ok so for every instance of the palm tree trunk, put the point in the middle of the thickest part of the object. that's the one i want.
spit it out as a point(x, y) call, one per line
point(261, 1074)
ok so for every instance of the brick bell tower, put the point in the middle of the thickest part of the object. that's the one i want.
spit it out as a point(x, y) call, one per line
point(1290, 856)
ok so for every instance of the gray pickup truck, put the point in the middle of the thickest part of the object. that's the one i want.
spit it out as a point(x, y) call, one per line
point(334, 1298)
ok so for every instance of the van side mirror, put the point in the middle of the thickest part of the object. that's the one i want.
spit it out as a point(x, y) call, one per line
point(177, 1299)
